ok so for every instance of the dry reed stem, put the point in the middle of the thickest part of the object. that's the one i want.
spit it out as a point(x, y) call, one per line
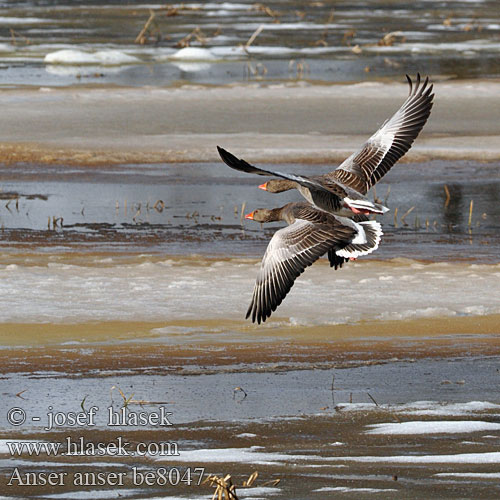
point(471, 206)
point(255, 34)
point(141, 37)
point(448, 197)
point(251, 479)
point(242, 215)
point(408, 212)
point(224, 487)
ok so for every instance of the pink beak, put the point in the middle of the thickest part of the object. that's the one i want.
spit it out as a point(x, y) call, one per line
point(263, 186)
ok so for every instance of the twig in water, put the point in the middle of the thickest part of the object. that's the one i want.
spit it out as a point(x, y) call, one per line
point(408, 212)
point(83, 402)
point(471, 206)
point(255, 34)
point(250, 480)
point(151, 28)
point(239, 389)
point(448, 197)
point(242, 215)
point(387, 195)
point(224, 486)
point(333, 390)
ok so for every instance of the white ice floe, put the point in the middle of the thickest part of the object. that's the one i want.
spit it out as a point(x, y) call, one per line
point(427, 408)
point(432, 427)
point(257, 492)
point(433, 408)
point(60, 293)
point(346, 489)
point(103, 57)
point(459, 458)
point(193, 54)
point(470, 475)
point(24, 20)
point(233, 455)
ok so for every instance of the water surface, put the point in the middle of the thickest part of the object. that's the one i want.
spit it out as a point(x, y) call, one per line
point(321, 41)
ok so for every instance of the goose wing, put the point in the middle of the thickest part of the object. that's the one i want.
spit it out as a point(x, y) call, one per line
point(386, 146)
point(289, 252)
point(238, 164)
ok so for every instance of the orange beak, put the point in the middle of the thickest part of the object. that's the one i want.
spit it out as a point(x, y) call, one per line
point(249, 216)
point(263, 186)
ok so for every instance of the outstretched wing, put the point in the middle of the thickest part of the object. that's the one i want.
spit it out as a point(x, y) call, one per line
point(243, 166)
point(385, 147)
point(289, 252)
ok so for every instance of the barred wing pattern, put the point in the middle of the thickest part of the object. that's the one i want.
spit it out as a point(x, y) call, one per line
point(383, 149)
point(289, 252)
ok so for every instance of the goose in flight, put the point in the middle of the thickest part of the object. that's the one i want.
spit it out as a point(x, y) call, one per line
point(343, 190)
point(310, 234)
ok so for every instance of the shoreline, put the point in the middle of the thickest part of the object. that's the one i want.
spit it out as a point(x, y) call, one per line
point(282, 123)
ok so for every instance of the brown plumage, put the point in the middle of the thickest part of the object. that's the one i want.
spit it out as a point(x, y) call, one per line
point(310, 234)
point(343, 190)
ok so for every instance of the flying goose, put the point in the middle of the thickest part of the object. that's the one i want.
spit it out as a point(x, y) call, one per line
point(343, 190)
point(310, 234)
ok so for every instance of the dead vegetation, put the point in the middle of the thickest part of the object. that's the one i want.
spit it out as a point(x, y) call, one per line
point(225, 489)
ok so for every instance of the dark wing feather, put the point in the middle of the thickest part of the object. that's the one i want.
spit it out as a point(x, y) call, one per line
point(384, 148)
point(238, 164)
point(336, 261)
point(289, 252)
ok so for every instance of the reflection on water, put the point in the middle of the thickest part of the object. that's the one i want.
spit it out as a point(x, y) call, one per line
point(327, 41)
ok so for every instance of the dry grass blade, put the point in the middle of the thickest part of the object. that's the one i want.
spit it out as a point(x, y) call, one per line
point(251, 479)
point(196, 34)
point(347, 37)
point(159, 206)
point(389, 38)
point(242, 214)
point(255, 34)
point(273, 482)
point(471, 206)
point(224, 487)
point(448, 197)
point(267, 10)
point(150, 30)
point(14, 35)
point(126, 400)
point(408, 212)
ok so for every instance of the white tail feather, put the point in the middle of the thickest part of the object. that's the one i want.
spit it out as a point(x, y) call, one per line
point(369, 235)
point(361, 204)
